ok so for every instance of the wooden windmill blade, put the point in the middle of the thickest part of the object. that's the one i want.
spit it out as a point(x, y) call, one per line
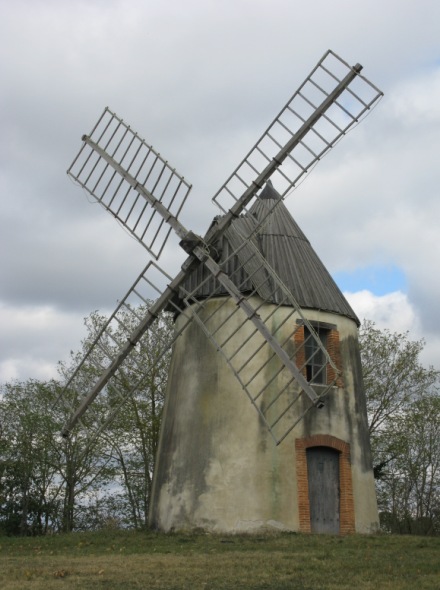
point(332, 99)
point(134, 183)
point(111, 339)
point(118, 169)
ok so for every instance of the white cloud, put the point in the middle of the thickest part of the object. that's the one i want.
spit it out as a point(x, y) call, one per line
point(34, 338)
point(392, 311)
point(27, 367)
point(396, 313)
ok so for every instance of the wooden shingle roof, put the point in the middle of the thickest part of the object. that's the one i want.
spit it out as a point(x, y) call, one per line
point(286, 249)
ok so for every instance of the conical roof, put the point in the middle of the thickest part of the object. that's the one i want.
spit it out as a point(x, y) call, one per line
point(286, 249)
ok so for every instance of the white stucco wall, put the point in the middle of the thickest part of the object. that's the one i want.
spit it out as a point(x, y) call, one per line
point(218, 467)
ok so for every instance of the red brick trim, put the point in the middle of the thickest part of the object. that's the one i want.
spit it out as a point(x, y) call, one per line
point(300, 349)
point(346, 505)
point(333, 349)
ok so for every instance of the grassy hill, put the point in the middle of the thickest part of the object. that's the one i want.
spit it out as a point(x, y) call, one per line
point(147, 560)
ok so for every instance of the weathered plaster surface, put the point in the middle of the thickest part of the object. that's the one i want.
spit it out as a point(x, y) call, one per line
point(218, 467)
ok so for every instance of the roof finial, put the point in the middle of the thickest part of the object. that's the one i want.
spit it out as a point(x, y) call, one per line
point(269, 192)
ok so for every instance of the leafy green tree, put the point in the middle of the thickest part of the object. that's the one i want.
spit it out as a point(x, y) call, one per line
point(103, 471)
point(392, 371)
point(44, 477)
point(128, 411)
point(28, 474)
point(138, 424)
point(410, 486)
point(402, 403)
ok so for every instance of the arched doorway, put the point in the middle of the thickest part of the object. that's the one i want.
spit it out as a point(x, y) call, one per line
point(346, 499)
point(324, 489)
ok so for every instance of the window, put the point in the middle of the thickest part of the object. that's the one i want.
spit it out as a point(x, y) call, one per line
point(316, 362)
point(312, 360)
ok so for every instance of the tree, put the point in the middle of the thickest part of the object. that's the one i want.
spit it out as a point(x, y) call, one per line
point(27, 474)
point(392, 371)
point(403, 404)
point(409, 488)
point(103, 471)
point(128, 411)
point(42, 475)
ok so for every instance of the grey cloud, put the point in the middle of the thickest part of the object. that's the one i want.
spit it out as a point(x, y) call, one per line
point(201, 81)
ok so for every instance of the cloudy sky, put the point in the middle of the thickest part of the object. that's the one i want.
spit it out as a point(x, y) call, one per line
point(201, 80)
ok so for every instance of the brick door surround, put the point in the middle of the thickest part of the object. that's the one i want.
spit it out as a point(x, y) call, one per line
point(346, 502)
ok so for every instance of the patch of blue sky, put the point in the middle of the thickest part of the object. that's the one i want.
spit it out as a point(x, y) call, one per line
point(380, 280)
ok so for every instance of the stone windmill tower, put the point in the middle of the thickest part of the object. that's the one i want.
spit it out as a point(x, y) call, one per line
point(257, 319)
point(218, 468)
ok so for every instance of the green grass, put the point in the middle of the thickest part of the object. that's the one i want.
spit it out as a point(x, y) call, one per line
point(128, 560)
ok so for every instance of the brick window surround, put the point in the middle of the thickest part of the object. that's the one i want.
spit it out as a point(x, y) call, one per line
point(346, 502)
point(333, 348)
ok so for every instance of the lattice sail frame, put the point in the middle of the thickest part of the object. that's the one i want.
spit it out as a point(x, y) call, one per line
point(133, 308)
point(280, 400)
point(134, 183)
point(321, 135)
point(124, 201)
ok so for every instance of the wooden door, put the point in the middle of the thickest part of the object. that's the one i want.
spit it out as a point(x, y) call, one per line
point(323, 477)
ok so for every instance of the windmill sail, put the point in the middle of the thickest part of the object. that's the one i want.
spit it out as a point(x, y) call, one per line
point(116, 166)
point(330, 101)
point(145, 194)
point(111, 341)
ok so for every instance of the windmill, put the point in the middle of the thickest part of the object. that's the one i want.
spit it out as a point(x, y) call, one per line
point(241, 324)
